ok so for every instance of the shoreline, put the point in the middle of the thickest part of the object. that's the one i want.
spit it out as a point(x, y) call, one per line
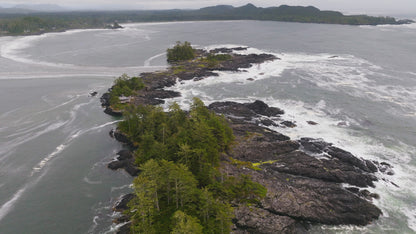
point(303, 189)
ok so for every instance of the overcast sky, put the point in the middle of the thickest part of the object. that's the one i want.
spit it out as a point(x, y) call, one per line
point(346, 6)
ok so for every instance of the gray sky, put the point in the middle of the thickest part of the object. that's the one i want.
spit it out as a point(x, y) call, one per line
point(346, 6)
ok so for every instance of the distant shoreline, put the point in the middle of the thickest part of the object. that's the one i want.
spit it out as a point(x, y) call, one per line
point(40, 23)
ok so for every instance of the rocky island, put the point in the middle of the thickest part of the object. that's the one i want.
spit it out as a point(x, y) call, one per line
point(236, 174)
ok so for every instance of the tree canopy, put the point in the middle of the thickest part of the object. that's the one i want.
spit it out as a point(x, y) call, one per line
point(180, 186)
point(180, 52)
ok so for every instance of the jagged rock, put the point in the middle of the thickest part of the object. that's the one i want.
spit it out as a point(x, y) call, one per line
point(314, 145)
point(256, 150)
point(128, 165)
point(309, 199)
point(124, 229)
point(268, 122)
point(256, 220)
point(247, 110)
point(227, 50)
point(347, 157)
point(245, 61)
point(131, 168)
point(110, 111)
point(288, 124)
point(124, 155)
point(299, 163)
point(121, 219)
point(93, 94)
point(121, 204)
point(241, 129)
point(159, 94)
point(262, 108)
point(319, 146)
point(105, 99)
point(312, 122)
point(147, 101)
point(232, 109)
point(121, 137)
point(114, 165)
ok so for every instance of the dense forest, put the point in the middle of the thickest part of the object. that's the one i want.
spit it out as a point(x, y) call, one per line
point(35, 23)
point(180, 188)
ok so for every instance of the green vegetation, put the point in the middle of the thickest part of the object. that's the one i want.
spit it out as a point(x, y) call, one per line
point(35, 23)
point(180, 52)
point(180, 188)
point(168, 199)
point(213, 60)
point(124, 86)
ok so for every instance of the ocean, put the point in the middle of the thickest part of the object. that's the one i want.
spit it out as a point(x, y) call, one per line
point(357, 82)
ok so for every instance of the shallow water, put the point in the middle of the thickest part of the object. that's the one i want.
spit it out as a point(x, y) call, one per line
point(358, 83)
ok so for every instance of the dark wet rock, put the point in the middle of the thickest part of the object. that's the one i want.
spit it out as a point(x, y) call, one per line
point(232, 109)
point(105, 99)
point(121, 204)
point(353, 189)
point(111, 133)
point(124, 229)
point(131, 168)
point(147, 101)
point(197, 74)
point(309, 199)
point(255, 149)
point(342, 124)
point(160, 94)
point(299, 163)
point(227, 50)
point(385, 168)
point(301, 186)
point(110, 111)
point(240, 48)
point(321, 147)
point(311, 122)
point(257, 220)
point(334, 56)
point(245, 61)
point(314, 145)
point(347, 157)
point(121, 137)
point(93, 94)
point(124, 155)
point(288, 124)
point(121, 219)
point(248, 129)
point(115, 165)
point(364, 193)
point(267, 122)
point(128, 165)
point(262, 108)
point(250, 79)
point(158, 80)
point(246, 110)
point(371, 166)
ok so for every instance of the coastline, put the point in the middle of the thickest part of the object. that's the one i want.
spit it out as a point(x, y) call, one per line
point(305, 177)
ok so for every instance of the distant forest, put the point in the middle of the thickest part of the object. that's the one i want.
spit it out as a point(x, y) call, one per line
point(37, 23)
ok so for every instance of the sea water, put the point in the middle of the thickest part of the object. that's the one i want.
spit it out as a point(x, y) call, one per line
point(357, 83)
